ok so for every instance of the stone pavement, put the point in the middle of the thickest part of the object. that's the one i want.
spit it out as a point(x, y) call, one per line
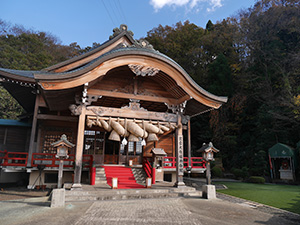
point(189, 210)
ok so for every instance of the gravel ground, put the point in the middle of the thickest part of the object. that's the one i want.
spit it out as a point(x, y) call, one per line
point(14, 193)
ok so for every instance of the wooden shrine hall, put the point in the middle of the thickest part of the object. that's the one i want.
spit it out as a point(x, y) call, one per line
point(116, 103)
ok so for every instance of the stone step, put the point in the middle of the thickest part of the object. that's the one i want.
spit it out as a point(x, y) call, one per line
point(119, 195)
point(100, 176)
point(139, 175)
point(100, 182)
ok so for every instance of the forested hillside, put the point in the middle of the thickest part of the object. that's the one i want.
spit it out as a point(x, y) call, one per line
point(24, 49)
point(252, 57)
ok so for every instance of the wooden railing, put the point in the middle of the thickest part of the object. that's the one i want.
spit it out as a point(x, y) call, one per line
point(19, 159)
point(196, 162)
point(13, 158)
point(49, 160)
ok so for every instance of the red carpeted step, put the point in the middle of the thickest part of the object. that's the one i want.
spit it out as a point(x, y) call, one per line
point(125, 177)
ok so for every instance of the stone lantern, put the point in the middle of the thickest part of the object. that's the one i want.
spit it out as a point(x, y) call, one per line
point(208, 150)
point(62, 146)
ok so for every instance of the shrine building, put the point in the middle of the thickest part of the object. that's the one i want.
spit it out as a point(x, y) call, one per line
point(122, 103)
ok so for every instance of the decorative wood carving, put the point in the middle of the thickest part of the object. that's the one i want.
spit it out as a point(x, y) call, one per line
point(117, 31)
point(129, 89)
point(47, 85)
point(141, 70)
point(177, 108)
point(134, 105)
point(92, 98)
point(142, 43)
point(145, 92)
point(76, 110)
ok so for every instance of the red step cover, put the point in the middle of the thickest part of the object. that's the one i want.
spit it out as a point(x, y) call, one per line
point(125, 177)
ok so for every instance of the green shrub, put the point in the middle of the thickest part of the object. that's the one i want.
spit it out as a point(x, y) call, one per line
point(216, 171)
point(238, 173)
point(245, 172)
point(257, 180)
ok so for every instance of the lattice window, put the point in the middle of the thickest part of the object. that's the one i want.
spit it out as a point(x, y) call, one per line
point(94, 142)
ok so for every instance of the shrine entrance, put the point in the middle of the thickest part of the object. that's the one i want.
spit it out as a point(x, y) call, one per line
point(111, 154)
point(94, 144)
point(105, 151)
point(132, 151)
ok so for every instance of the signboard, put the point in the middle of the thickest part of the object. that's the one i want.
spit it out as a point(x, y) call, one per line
point(180, 165)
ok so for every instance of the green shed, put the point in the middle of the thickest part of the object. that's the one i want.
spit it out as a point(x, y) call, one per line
point(283, 161)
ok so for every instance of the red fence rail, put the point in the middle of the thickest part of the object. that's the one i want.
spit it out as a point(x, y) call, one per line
point(19, 159)
point(13, 158)
point(196, 162)
point(49, 160)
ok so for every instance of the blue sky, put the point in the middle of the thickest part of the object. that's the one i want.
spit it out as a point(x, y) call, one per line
point(88, 21)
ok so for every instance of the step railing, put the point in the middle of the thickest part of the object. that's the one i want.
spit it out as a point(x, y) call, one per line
point(150, 171)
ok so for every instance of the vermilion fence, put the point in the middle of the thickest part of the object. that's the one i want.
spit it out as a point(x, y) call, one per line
point(13, 158)
point(49, 160)
point(196, 162)
point(19, 159)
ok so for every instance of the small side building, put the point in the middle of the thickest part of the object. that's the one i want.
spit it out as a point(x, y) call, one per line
point(283, 162)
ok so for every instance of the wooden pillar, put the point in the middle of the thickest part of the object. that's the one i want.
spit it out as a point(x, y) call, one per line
point(189, 143)
point(33, 130)
point(79, 148)
point(179, 154)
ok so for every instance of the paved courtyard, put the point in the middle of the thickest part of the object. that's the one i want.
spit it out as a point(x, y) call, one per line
point(142, 211)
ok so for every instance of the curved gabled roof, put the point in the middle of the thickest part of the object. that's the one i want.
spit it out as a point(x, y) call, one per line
point(20, 75)
point(118, 55)
point(121, 50)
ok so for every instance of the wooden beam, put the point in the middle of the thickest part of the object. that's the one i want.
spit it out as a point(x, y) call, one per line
point(33, 130)
point(184, 98)
point(79, 149)
point(97, 92)
point(129, 113)
point(42, 102)
point(56, 117)
point(189, 142)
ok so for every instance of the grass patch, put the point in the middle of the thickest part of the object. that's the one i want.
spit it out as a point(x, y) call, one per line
point(280, 196)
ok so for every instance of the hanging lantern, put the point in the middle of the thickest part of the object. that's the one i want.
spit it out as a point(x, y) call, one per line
point(152, 137)
point(133, 138)
point(114, 136)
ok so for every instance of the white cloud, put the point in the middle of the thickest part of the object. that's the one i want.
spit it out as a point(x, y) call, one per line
point(159, 4)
